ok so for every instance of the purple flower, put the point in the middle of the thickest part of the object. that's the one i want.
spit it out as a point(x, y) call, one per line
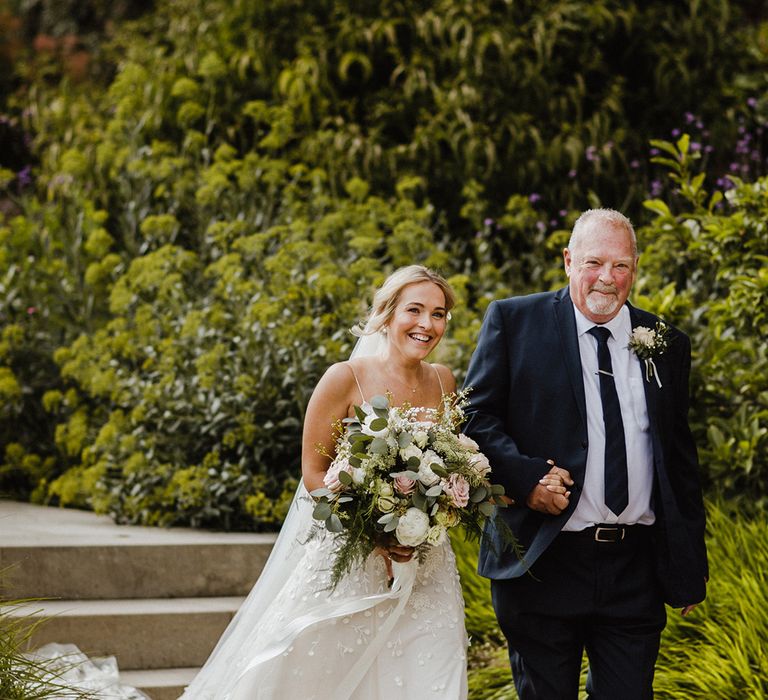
point(675, 133)
point(591, 153)
point(708, 149)
point(654, 151)
point(534, 197)
point(689, 117)
point(656, 188)
point(24, 176)
point(733, 167)
point(572, 173)
point(752, 102)
point(563, 213)
point(541, 226)
point(695, 146)
point(488, 222)
point(634, 164)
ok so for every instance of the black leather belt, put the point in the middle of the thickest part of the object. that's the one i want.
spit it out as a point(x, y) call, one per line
point(609, 533)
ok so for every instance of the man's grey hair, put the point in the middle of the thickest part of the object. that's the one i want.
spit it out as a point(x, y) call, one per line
point(591, 219)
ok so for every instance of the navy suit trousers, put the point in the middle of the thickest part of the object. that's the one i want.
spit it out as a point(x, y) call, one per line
point(602, 597)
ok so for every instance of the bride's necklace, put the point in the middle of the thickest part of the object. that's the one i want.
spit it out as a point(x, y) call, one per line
point(411, 388)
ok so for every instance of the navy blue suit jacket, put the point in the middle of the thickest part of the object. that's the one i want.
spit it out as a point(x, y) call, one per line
point(527, 406)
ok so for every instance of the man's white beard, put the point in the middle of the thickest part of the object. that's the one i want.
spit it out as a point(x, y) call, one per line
point(602, 304)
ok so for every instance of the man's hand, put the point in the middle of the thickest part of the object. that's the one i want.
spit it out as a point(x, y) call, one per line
point(550, 495)
point(688, 609)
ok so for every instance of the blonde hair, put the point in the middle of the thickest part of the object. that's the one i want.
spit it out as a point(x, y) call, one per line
point(386, 297)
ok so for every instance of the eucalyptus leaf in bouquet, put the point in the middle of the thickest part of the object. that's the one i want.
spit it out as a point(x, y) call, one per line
point(400, 477)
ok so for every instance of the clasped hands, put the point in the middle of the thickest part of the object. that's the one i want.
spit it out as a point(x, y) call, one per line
point(551, 494)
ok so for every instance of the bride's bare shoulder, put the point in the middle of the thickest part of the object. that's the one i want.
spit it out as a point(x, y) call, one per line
point(446, 378)
point(339, 374)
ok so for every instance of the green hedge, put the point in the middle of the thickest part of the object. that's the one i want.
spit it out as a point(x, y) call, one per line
point(209, 214)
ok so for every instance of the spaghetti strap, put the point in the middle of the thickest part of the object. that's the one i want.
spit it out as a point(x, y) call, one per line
point(442, 391)
point(357, 381)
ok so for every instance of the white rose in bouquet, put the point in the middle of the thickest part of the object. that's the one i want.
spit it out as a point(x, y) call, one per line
point(421, 437)
point(410, 451)
point(412, 528)
point(481, 464)
point(426, 475)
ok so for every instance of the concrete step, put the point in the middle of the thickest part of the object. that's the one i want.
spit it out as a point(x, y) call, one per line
point(142, 634)
point(60, 553)
point(135, 571)
point(160, 684)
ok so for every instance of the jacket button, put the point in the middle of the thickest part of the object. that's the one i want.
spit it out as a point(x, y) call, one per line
point(584, 444)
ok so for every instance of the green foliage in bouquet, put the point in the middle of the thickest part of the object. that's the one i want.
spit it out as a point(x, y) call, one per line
point(395, 477)
point(703, 268)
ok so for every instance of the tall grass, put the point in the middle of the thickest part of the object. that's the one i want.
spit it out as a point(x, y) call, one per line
point(22, 676)
point(719, 651)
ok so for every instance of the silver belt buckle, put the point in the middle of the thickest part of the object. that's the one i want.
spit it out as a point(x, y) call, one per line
point(614, 529)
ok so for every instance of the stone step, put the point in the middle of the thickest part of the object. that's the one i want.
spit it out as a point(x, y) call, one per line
point(60, 553)
point(160, 684)
point(135, 571)
point(142, 634)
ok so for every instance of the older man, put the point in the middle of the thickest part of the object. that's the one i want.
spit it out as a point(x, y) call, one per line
point(583, 415)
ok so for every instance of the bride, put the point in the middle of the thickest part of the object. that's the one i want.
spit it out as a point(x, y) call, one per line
point(369, 637)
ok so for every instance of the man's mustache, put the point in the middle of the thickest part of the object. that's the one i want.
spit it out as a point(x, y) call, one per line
point(604, 288)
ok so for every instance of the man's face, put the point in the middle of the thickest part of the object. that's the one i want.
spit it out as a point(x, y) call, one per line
point(601, 269)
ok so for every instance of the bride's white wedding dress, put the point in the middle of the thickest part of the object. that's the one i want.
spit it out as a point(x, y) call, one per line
point(295, 638)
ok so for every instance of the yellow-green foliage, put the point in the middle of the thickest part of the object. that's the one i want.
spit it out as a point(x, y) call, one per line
point(207, 218)
point(704, 269)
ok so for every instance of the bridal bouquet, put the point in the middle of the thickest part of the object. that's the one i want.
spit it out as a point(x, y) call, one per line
point(398, 479)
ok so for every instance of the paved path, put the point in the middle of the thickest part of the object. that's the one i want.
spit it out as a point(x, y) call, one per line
point(24, 524)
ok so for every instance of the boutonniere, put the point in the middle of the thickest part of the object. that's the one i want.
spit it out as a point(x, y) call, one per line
point(648, 344)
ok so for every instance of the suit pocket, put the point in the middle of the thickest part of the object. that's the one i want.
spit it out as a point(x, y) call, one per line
point(639, 406)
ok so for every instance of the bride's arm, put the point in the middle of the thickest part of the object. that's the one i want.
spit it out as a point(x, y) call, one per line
point(330, 402)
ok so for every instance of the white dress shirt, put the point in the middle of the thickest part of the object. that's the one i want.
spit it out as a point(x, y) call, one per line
point(628, 376)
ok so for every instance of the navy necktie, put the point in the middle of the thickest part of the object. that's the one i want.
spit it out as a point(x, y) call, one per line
point(616, 489)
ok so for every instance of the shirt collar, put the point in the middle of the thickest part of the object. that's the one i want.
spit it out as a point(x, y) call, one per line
point(620, 325)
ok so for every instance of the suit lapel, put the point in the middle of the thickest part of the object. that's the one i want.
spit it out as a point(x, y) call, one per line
point(565, 320)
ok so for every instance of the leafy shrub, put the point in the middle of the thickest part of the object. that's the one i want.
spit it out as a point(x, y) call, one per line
point(704, 268)
point(204, 218)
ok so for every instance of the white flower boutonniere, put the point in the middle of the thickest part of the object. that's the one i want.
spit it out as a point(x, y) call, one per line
point(648, 344)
